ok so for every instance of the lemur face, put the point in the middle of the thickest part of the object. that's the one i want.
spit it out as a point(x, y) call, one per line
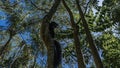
point(54, 24)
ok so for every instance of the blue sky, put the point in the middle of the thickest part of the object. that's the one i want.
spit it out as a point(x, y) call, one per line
point(100, 2)
point(2, 21)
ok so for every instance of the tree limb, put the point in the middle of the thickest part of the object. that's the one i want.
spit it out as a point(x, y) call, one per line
point(80, 60)
point(94, 51)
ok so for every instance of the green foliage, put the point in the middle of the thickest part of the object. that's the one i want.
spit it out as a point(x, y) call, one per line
point(111, 50)
point(116, 13)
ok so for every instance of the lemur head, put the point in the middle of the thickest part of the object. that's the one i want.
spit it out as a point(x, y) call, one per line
point(53, 24)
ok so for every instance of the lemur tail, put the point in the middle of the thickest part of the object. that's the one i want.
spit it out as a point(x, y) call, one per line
point(57, 54)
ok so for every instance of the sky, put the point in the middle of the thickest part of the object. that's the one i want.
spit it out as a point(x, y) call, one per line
point(2, 21)
point(100, 2)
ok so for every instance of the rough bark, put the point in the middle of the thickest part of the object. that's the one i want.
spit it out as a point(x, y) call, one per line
point(44, 32)
point(80, 60)
point(92, 46)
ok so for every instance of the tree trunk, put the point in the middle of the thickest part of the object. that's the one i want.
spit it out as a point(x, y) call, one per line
point(80, 60)
point(94, 51)
point(44, 33)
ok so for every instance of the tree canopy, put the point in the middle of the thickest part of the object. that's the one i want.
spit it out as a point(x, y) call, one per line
point(88, 32)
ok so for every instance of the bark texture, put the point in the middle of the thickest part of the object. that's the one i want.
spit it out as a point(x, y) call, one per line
point(44, 33)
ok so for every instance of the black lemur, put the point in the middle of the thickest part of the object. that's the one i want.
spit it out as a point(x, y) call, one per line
point(57, 48)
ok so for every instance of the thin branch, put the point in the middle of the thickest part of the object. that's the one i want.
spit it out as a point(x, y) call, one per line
point(17, 53)
point(37, 6)
point(84, 12)
point(2, 50)
point(70, 13)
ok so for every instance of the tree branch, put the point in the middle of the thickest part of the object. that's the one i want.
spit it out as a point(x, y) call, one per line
point(70, 13)
point(2, 50)
point(37, 6)
point(94, 51)
point(80, 59)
